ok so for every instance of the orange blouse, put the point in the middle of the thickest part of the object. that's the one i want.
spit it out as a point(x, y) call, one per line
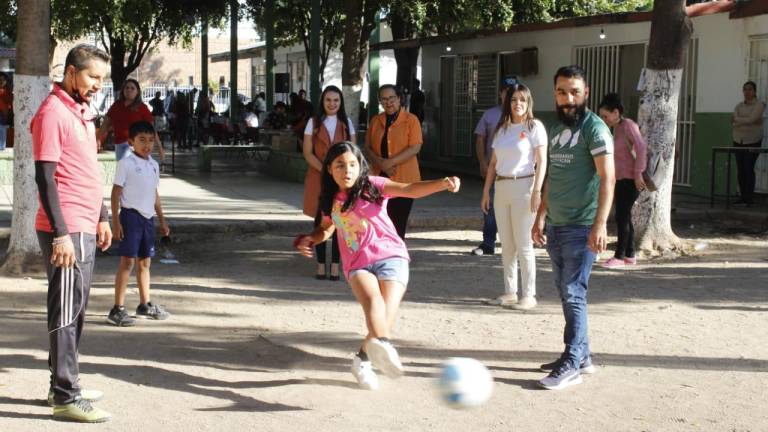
point(403, 133)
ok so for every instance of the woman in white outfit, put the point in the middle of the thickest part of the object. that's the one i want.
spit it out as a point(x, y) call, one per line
point(518, 164)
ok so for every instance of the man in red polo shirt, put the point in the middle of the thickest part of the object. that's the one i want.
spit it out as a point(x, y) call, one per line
point(71, 221)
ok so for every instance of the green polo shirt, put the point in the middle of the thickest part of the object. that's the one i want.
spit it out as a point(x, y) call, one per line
point(573, 183)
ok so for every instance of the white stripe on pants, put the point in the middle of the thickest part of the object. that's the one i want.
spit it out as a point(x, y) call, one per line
point(512, 207)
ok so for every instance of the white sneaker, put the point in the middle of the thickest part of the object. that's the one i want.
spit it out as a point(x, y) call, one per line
point(384, 357)
point(364, 374)
point(503, 300)
point(525, 303)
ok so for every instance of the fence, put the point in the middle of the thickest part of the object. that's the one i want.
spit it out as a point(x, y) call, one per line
point(106, 97)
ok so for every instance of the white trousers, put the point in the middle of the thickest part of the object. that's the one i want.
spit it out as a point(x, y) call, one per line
point(512, 206)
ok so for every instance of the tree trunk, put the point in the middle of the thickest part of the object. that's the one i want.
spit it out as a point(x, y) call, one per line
point(352, 67)
point(406, 58)
point(359, 23)
point(31, 85)
point(670, 35)
point(118, 72)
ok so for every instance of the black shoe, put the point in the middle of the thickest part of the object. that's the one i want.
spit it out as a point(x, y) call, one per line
point(742, 202)
point(118, 316)
point(480, 250)
point(334, 278)
point(320, 276)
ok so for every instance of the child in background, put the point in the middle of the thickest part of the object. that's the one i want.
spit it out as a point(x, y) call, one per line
point(374, 257)
point(135, 194)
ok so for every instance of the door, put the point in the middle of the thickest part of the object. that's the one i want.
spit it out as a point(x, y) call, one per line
point(758, 72)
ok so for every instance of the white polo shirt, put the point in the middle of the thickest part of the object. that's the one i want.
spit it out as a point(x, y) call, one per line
point(139, 179)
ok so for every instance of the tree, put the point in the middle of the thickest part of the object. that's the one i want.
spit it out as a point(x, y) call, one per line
point(7, 22)
point(127, 29)
point(671, 31)
point(419, 18)
point(31, 85)
point(292, 21)
point(360, 20)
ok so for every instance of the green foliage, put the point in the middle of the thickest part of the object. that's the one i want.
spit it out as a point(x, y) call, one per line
point(439, 17)
point(292, 22)
point(7, 22)
point(213, 86)
point(574, 8)
point(419, 18)
point(126, 28)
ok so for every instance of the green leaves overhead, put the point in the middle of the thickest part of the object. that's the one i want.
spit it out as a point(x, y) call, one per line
point(292, 21)
point(419, 18)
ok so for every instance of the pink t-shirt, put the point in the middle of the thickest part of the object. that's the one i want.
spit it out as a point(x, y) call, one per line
point(63, 132)
point(366, 234)
point(627, 137)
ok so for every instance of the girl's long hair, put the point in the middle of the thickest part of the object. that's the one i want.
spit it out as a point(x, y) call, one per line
point(506, 108)
point(362, 189)
point(135, 104)
point(341, 115)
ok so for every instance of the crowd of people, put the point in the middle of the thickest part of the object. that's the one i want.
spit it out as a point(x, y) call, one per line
point(551, 187)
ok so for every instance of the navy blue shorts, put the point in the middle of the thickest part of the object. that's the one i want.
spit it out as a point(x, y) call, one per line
point(138, 235)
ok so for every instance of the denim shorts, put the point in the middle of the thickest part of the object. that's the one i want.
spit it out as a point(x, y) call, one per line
point(388, 269)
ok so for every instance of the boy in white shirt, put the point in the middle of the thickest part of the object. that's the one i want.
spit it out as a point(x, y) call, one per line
point(136, 196)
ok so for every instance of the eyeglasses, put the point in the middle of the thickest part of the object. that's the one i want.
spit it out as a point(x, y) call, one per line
point(388, 99)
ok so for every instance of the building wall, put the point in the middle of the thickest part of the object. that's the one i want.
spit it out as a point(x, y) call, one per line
point(166, 63)
point(332, 72)
point(722, 69)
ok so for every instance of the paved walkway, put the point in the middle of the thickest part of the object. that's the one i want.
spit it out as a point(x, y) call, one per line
point(254, 202)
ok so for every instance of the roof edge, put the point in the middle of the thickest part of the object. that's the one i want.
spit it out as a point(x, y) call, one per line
point(695, 10)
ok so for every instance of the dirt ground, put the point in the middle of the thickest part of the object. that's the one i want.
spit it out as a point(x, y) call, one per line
point(255, 343)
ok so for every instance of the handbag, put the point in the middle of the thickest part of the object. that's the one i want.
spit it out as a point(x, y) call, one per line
point(652, 163)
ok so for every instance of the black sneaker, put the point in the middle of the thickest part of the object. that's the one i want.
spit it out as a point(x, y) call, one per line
point(586, 367)
point(119, 317)
point(151, 311)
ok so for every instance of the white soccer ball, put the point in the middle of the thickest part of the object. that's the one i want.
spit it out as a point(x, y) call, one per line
point(465, 383)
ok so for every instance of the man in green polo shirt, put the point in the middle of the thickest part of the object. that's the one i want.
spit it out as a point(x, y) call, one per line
point(576, 200)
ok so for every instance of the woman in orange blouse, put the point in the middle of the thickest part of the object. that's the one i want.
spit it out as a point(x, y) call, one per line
point(391, 144)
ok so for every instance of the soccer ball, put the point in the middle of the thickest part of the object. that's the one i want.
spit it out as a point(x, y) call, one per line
point(465, 383)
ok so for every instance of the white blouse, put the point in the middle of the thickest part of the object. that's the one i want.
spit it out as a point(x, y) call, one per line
point(514, 146)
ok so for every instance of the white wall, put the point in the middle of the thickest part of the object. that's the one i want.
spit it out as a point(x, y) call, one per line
point(722, 59)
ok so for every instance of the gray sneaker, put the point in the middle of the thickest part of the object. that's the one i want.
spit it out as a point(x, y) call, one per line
point(119, 317)
point(564, 376)
point(585, 368)
point(151, 311)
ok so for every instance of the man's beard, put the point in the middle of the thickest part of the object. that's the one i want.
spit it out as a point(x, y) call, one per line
point(571, 119)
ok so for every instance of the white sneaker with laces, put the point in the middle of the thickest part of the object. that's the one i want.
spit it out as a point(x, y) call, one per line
point(364, 374)
point(525, 303)
point(503, 300)
point(384, 356)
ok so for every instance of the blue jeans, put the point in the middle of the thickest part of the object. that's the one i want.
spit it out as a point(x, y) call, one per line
point(121, 150)
point(3, 134)
point(489, 226)
point(571, 265)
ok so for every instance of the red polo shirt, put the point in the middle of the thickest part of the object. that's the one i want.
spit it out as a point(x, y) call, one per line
point(123, 117)
point(63, 132)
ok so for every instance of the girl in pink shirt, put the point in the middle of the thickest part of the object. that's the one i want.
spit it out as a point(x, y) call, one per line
point(374, 257)
point(629, 158)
